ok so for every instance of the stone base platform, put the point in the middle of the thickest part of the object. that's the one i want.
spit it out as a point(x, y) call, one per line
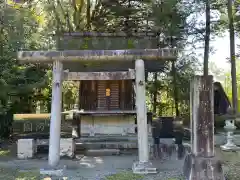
point(99, 145)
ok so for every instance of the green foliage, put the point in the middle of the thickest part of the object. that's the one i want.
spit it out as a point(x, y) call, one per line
point(17, 80)
point(7, 173)
point(227, 82)
point(28, 28)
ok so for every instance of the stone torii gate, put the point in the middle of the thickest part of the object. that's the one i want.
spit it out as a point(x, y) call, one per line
point(60, 58)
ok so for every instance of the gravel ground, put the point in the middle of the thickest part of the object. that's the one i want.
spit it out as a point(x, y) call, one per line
point(166, 175)
point(97, 168)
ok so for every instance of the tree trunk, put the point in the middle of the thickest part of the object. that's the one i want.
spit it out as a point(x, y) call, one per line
point(207, 38)
point(88, 26)
point(155, 93)
point(175, 89)
point(233, 59)
point(2, 30)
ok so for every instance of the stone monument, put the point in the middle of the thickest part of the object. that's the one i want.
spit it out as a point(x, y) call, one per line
point(201, 163)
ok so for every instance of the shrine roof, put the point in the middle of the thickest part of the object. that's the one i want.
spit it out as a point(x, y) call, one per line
point(100, 51)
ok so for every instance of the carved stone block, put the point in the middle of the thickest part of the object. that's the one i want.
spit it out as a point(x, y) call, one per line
point(26, 148)
point(67, 147)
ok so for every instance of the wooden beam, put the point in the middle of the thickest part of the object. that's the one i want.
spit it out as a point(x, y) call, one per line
point(77, 76)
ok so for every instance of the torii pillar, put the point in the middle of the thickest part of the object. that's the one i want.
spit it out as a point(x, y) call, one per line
point(143, 166)
point(55, 123)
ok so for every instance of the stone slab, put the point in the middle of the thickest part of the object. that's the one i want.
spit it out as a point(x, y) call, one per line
point(102, 152)
point(143, 168)
point(26, 148)
point(51, 172)
point(67, 147)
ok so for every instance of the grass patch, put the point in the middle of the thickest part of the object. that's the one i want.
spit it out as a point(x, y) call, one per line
point(124, 176)
point(4, 153)
point(13, 174)
point(28, 175)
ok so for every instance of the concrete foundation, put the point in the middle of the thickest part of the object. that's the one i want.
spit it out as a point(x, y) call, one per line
point(26, 148)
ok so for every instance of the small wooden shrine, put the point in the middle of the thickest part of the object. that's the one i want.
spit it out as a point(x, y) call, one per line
point(108, 78)
point(105, 74)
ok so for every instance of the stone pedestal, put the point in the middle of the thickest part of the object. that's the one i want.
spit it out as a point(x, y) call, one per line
point(26, 148)
point(67, 147)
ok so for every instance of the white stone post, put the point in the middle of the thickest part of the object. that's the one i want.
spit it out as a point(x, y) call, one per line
point(55, 124)
point(143, 166)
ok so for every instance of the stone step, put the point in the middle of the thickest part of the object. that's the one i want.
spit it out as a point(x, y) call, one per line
point(107, 145)
point(109, 138)
point(102, 152)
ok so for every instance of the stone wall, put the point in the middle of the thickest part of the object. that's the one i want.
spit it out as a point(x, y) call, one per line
point(37, 124)
point(108, 125)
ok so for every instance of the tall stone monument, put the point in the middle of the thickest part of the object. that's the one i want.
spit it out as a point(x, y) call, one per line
point(201, 163)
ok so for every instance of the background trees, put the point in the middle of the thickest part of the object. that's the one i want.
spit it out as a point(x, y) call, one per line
point(178, 22)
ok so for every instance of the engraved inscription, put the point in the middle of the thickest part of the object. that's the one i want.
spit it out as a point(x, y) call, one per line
point(27, 127)
point(205, 121)
point(40, 127)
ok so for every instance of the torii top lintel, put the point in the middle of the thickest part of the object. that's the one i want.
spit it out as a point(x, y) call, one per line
point(96, 55)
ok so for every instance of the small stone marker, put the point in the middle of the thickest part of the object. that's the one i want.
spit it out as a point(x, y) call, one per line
point(26, 148)
point(67, 147)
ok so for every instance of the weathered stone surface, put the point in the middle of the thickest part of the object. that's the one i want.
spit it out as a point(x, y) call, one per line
point(93, 55)
point(37, 125)
point(144, 168)
point(201, 163)
point(26, 148)
point(67, 147)
point(203, 168)
point(110, 41)
point(52, 172)
point(102, 152)
point(202, 119)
